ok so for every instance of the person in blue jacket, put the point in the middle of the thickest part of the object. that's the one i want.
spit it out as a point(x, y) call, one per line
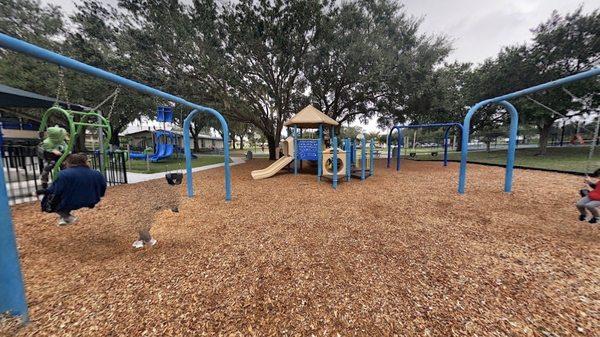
point(75, 187)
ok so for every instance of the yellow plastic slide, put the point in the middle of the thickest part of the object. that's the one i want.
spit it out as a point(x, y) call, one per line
point(288, 156)
point(272, 169)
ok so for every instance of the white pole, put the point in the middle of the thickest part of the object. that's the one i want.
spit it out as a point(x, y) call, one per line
point(414, 140)
point(454, 141)
point(594, 141)
point(129, 159)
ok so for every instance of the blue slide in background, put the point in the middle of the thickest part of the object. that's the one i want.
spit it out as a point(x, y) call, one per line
point(162, 151)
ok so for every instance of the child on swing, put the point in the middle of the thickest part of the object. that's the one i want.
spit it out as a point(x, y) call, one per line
point(590, 200)
point(50, 151)
point(75, 187)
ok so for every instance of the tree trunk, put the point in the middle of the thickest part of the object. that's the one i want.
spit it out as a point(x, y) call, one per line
point(194, 133)
point(79, 144)
point(114, 139)
point(232, 136)
point(241, 142)
point(544, 135)
point(272, 146)
point(196, 144)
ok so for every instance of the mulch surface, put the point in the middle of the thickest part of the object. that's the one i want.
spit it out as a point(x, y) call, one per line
point(398, 254)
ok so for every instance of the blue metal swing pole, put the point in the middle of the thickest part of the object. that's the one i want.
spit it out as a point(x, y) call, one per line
point(389, 148)
point(446, 146)
point(503, 100)
point(44, 54)
point(348, 150)
point(372, 158)
point(398, 149)
point(12, 290)
point(300, 161)
point(320, 154)
point(335, 157)
point(295, 149)
point(363, 157)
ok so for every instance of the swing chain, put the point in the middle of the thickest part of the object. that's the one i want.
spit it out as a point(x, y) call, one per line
point(112, 105)
point(61, 89)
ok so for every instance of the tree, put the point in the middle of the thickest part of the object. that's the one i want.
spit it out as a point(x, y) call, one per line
point(369, 58)
point(563, 46)
point(350, 131)
point(265, 44)
point(42, 25)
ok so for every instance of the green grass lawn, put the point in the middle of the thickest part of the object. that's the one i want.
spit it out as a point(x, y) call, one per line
point(256, 152)
point(139, 166)
point(564, 159)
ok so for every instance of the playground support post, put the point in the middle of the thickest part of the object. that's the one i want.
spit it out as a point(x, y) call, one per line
point(295, 150)
point(335, 157)
point(446, 145)
point(348, 150)
point(12, 290)
point(320, 154)
point(363, 157)
point(398, 153)
point(44, 54)
point(371, 158)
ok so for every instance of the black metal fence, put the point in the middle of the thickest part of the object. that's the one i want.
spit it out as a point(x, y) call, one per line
point(22, 169)
point(115, 165)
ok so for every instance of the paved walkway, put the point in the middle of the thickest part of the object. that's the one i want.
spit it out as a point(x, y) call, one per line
point(133, 178)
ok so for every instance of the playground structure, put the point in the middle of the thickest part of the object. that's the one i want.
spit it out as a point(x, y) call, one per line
point(12, 292)
point(163, 140)
point(75, 129)
point(332, 162)
point(447, 127)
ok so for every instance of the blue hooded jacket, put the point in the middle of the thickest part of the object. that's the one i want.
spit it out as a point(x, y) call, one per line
point(77, 187)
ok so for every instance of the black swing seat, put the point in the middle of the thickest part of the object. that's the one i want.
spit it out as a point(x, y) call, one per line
point(174, 178)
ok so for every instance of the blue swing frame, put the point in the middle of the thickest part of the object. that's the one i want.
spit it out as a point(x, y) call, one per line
point(12, 290)
point(447, 127)
point(514, 124)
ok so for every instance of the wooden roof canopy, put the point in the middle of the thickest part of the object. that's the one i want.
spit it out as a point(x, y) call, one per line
point(310, 118)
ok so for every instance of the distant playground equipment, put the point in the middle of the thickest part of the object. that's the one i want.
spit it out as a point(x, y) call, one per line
point(165, 142)
point(141, 155)
point(353, 159)
point(400, 140)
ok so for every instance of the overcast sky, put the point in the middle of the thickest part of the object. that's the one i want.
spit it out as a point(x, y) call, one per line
point(478, 28)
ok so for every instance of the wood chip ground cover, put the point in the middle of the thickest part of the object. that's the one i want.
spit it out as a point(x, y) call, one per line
point(398, 254)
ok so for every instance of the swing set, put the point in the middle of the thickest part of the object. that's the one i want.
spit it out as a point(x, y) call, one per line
point(400, 139)
point(75, 128)
point(78, 121)
point(12, 290)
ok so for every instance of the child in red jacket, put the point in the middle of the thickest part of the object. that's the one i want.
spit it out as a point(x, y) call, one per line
point(591, 200)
